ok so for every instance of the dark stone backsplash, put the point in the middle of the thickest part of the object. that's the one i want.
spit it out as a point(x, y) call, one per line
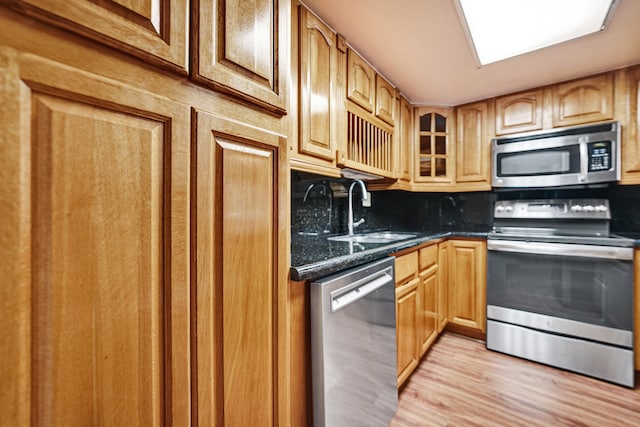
point(324, 210)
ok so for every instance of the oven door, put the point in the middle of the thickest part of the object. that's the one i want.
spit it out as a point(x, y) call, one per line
point(570, 289)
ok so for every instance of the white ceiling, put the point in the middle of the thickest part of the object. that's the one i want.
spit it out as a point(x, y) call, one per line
point(420, 46)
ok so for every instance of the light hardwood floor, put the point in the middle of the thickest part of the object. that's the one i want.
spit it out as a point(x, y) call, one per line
point(461, 383)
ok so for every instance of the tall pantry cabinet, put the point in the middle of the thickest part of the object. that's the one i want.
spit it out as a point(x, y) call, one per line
point(139, 286)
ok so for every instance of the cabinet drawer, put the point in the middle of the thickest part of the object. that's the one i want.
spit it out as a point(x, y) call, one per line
point(428, 257)
point(406, 267)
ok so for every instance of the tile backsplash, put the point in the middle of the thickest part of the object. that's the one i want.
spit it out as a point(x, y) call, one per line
point(319, 206)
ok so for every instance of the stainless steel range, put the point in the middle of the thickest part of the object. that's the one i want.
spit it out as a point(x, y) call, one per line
point(560, 287)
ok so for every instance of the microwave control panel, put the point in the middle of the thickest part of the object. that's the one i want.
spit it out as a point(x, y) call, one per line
point(600, 156)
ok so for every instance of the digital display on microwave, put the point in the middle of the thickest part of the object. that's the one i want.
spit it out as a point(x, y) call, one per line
point(554, 161)
point(600, 156)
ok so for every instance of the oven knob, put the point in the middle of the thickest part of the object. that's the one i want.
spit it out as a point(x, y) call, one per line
point(508, 209)
point(499, 208)
point(576, 208)
point(589, 208)
point(601, 208)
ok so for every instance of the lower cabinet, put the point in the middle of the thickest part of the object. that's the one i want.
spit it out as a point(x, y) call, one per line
point(407, 329)
point(466, 287)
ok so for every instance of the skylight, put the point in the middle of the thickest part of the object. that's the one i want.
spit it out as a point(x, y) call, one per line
point(500, 29)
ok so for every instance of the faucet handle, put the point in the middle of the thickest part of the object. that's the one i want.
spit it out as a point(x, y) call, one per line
point(357, 223)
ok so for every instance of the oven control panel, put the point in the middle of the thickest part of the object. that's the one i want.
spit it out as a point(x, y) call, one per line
point(553, 209)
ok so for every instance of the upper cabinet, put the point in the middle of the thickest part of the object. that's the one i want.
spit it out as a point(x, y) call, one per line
point(565, 104)
point(473, 146)
point(521, 112)
point(405, 135)
point(155, 30)
point(241, 48)
point(631, 134)
point(317, 75)
point(583, 101)
point(361, 81)
point(385, 100)
point(434, 149)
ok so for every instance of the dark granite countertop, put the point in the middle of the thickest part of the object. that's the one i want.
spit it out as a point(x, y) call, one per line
point(313, 257)
point(634, 236)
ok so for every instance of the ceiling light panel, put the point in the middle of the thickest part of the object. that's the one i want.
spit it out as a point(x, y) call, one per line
point(500, 29)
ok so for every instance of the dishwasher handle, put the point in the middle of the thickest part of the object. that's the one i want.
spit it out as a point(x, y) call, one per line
point(347, 295)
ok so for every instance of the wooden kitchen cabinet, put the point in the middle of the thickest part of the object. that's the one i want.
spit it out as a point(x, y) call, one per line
point(385, 100)
point(94, 244)
point(473, 146)
point(405, 143)
point(320, 102)
point(520, 112)
point(434, 155)
point(241, 48)
point(236, 274)
point(361, 81)
point(428, 297)
point(407, 329)
point(443, 284)
point(631, 132)
point(155, 30)
point(467, 286)
point(583, 101)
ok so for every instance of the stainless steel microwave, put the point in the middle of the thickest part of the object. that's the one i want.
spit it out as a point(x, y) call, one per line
point(572, 156)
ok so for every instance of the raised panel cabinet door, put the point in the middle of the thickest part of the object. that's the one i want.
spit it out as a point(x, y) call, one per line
point(95, 229)
point(239, 47)
point(238, 370)
point(521, 112)
point(428, 295)
point(443, 284)
point(630, 136)
point(155, 30)
point(318, 68)
point(385, 100)
point(406, 139)
point(474, 144)
point(466, 306)
point(361, 81)
point(583, 101)
point(407, 329)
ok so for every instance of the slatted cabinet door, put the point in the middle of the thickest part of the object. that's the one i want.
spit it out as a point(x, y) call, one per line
point(156, 30)
point(93, 248)
point(238, 174)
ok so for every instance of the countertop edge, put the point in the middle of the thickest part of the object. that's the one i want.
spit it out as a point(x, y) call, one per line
point(316, 270)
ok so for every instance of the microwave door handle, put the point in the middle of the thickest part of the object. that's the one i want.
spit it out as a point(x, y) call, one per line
point(563, 249)
point(584, 161)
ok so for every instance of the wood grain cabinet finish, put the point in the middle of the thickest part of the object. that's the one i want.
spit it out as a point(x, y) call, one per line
point(520, 112)
point(407, 319)
point(361, 81)
point(93, 243)
point(385, 100)
point(473, 153)
point(239, 364)
point(240, 47)
point(631, 132)
point(155, 30)
point(583, 101)
point(406, 139)
point(443, 284)
point(467, 284)
point(317, 77)
point(428, 297)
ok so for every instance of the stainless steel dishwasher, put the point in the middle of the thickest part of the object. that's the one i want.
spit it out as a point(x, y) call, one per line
point(353, 347)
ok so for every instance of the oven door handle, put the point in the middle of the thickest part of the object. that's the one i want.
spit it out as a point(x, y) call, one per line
point(564, 249)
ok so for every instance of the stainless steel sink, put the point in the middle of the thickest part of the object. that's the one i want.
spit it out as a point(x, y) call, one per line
point(374, 237)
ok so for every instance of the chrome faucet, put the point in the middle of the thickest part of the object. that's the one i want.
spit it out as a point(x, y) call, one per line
point(365, 198)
